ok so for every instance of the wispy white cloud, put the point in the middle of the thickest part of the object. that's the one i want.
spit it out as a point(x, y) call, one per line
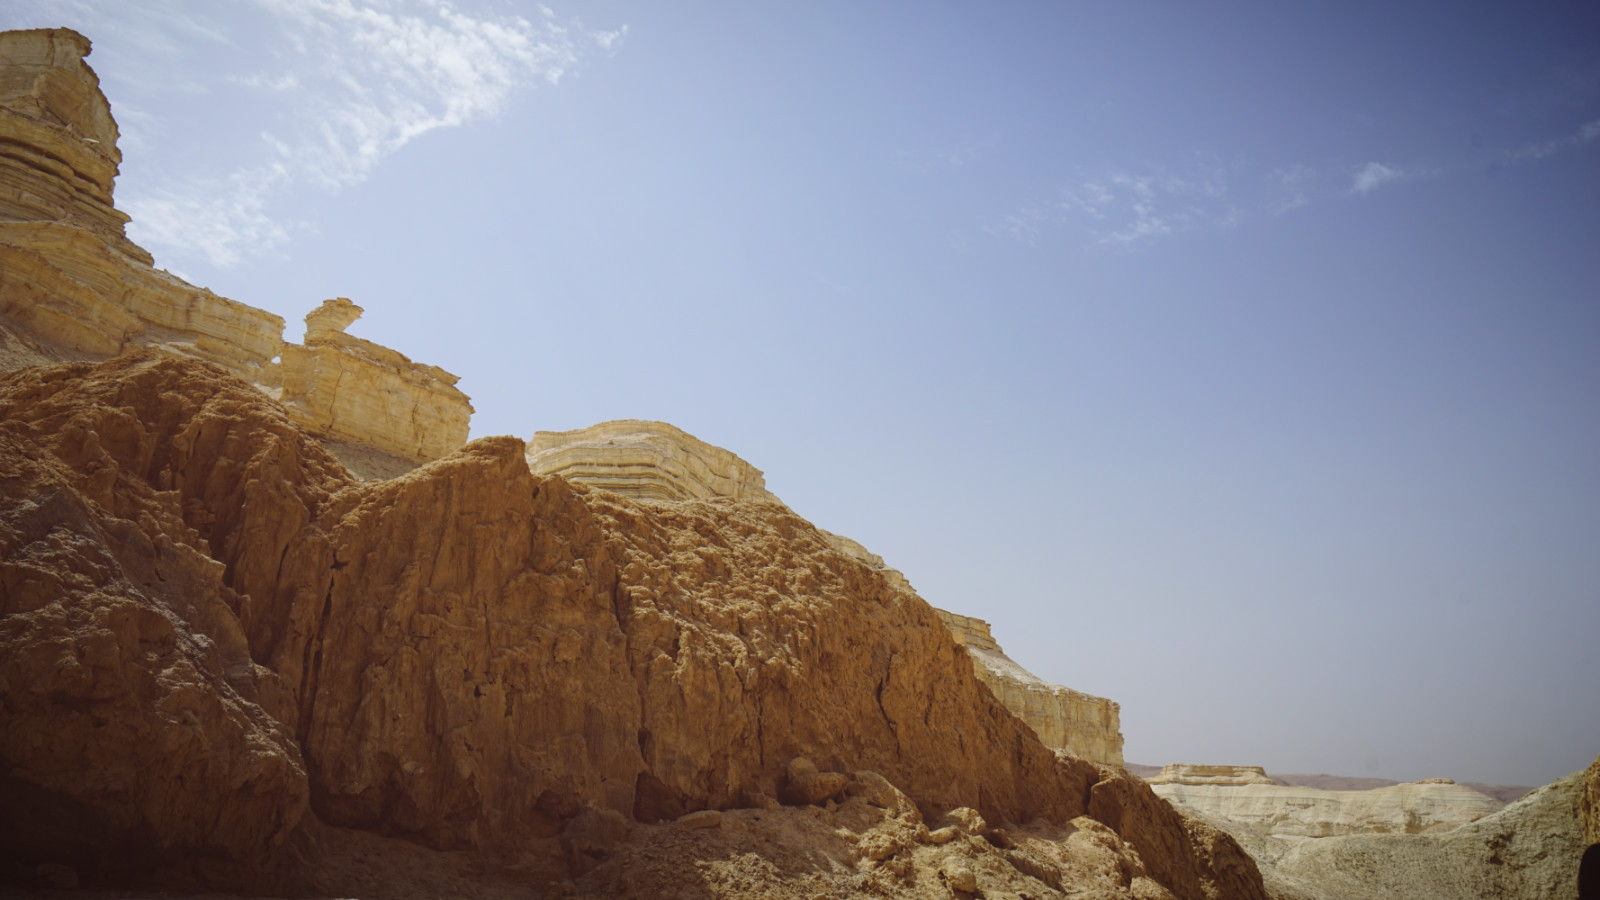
point(223, 223)
point(1124, 208)
point(1374, 174)
point(1587, 133)
point(355, 82)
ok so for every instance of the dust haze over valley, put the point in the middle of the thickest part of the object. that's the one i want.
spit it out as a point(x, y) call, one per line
point(1262, 338)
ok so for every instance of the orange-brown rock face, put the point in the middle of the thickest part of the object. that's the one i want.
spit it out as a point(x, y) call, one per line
point(469, 656)
point(132, 727)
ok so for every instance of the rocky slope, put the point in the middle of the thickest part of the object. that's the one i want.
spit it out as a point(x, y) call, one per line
point(217, 639)
point(1277, 809)
point(1529, 849)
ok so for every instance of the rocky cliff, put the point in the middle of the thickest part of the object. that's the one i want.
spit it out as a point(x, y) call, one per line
point(72, 286)
point(1415, 808)
point(656, 461)
point(1063, 718)
point(646, 460)
point(225, 661)
point(470, 657)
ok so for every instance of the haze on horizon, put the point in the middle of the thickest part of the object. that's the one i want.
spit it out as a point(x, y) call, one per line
point(1237, 362)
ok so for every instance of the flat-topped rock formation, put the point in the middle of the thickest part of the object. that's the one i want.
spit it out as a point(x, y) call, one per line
point(351, 389)
point(1188, 773)
point(646, 460)
point(1065, 719)
point(1415, 808)
point(72, 286)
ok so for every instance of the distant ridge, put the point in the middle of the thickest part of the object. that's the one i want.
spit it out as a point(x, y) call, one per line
point(1505, 793)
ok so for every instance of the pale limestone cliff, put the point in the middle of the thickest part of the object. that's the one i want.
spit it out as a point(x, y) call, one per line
point(646, 460)
point(1188, 773)
point(1528, 850)
point(349, 389)
point(72, 286)
point(1063, 718)
point(1402, 809)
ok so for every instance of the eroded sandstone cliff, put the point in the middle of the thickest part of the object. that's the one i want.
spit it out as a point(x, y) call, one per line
point(72, 286)
point(1066, 719)
point(229, 662)
point(656, 461)
point(469, 656)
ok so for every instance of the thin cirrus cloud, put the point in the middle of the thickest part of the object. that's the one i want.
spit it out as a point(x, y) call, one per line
point(359, 82)
point(1373, 175)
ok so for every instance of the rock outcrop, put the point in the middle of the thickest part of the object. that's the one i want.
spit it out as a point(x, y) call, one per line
point(72, 286)
point(349, 389)
point(225, 661)
point(656, 461)
point(1063, 718)
point(1417, 808)
point(1188, 773)
point(1526, 851)
point(647, 461)
point(1590, 803)
point(469, 656)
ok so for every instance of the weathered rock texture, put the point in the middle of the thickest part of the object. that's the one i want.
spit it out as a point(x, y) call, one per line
point(1063, 718)
point(1589, 805)
point(1188, 773)
point(469, 656)
point(1527, 851)
point(349, 389)
point(73, 286)
point(645, 460)
point(656, 461)
point(1308, 812)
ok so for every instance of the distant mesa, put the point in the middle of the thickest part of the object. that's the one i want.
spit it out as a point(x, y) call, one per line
point(1246, 795)
point(1188, 773)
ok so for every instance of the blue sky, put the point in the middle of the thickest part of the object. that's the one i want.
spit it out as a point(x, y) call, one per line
point(1239, 361)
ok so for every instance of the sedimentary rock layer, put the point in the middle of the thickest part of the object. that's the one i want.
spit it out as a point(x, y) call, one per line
point(468, 656)
point(1189, 773)
point(349, 389)
point(645, 460)
point(1401, 809)
point(72, 283)
point(1527, 851)
point(1063, 718)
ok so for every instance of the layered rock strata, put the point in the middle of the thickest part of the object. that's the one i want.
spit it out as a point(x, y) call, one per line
point(647, 461)
point(470, 657)
point(73, 286)
point(1526, 851)
point(1063, 718)
point(1417, 808)
point(1189, 773)
point(349, 389)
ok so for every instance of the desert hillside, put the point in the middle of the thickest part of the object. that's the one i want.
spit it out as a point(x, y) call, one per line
point(231, 663)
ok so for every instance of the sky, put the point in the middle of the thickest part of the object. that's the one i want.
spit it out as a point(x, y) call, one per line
point(1239, 362)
